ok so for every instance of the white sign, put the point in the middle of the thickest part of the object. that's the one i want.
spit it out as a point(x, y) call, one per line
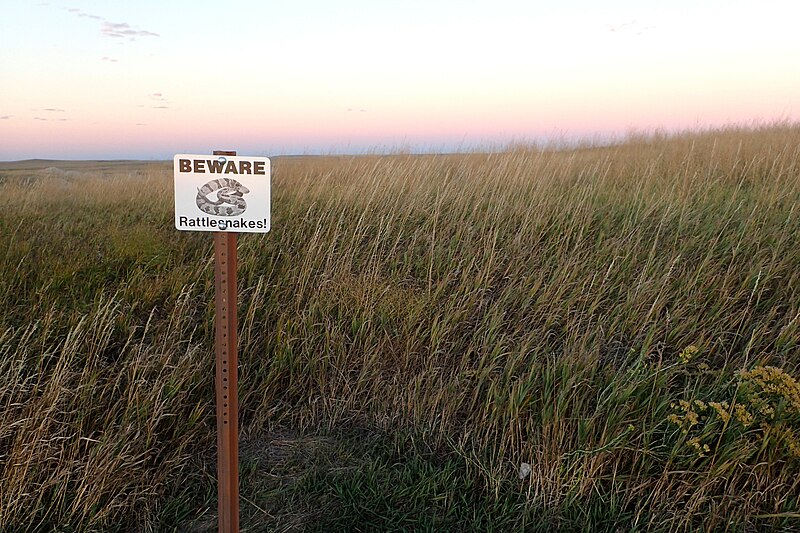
point(222, 193)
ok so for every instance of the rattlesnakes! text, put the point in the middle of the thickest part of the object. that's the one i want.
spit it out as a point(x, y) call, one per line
point(205, 222)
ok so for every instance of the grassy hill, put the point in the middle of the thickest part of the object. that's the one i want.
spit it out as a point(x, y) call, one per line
point(602, 338)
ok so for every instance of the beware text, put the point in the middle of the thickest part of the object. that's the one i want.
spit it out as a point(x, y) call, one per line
point(215, 166)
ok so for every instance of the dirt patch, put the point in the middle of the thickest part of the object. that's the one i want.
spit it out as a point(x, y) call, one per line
point(274, 470)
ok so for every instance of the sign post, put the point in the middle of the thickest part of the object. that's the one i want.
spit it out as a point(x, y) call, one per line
point(206, 203)
point(227, 377)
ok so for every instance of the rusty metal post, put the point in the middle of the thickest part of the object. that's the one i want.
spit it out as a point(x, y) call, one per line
point(227, 357)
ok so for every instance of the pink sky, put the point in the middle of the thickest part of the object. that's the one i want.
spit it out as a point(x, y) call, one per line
point(147, 80)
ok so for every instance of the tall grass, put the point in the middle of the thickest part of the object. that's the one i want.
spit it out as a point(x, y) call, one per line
point(527, 306)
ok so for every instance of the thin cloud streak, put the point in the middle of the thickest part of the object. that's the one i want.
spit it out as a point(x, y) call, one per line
point(159, 99)
point(114, 29)
point(631, 27)
point(82, 13)
point(123, 29)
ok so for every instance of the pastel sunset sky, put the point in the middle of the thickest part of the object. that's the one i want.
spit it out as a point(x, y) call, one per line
point(90, 79)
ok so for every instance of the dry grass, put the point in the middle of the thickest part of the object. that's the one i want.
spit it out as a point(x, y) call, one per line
point(500, 308)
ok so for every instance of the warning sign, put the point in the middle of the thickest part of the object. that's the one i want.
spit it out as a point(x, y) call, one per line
point(222, 193)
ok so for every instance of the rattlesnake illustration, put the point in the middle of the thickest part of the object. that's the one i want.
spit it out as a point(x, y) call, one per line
point(229, 202)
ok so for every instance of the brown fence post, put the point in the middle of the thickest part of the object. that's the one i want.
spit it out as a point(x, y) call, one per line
point(227, 362)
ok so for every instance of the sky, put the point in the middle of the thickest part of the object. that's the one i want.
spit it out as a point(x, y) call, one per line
point(91, 79)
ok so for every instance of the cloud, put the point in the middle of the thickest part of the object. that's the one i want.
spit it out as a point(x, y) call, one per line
point(123, 29)
point(632, 26)
point(113, 29)
point(82, 13)
point(5, 117)
point(44, 119)
point(141, 124)
point(108, 59)
point(159, 99)
point(49, 110)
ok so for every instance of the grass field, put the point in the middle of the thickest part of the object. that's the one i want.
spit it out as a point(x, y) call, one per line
point(625, 320)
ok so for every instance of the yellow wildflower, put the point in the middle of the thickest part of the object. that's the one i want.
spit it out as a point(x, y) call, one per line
point(722, 410)
point(688, 353)
point(700, 448)
point(742, 415)
point(773, 383)
point(794, 448)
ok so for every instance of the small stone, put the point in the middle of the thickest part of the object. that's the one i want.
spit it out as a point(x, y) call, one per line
point(524, 470)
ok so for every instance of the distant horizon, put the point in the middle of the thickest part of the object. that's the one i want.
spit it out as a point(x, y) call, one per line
point(555, 143)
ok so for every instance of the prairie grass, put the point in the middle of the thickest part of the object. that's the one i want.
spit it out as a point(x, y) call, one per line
point(433, 322)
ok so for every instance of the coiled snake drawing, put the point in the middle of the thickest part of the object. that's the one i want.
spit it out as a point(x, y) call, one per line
point(229, 202)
